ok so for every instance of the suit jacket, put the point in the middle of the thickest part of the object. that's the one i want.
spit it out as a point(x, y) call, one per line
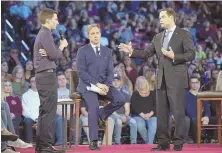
point(174, 72)
point(92, 69)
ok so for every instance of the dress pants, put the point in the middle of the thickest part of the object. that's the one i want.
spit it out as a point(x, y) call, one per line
point(46, 83)
point(170, 99)
point(91, 99)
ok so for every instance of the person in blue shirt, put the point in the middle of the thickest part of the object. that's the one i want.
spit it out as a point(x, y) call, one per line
point(191, 106)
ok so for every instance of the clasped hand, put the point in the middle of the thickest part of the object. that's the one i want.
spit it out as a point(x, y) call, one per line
point(169, 53)
point(104, 88)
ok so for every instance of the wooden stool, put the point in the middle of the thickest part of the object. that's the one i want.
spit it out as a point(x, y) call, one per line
point(77, 98)
point(65, 103)
point(209, 96)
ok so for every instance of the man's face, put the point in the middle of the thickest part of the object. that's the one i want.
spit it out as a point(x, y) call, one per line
point(116, 83)
point(94, 35)
point(165, 20)
point(195, 84)
point(62, 81)
point(33, 83)
point(54, 22)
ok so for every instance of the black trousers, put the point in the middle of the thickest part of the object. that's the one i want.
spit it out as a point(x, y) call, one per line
point(170, 100)
point(47, 88)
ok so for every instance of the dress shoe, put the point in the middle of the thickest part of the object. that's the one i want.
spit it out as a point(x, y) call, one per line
point(178, 147)
point(48, 149)
point(8, 136)
point(161, 148)
point(94, 145)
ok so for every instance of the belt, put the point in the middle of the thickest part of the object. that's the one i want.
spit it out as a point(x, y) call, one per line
point(48, 70)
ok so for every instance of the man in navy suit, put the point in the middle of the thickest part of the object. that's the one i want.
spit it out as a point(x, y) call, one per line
point(95, 66)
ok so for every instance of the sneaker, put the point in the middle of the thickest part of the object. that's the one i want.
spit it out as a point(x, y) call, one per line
point(9, 151)
point(19, 144)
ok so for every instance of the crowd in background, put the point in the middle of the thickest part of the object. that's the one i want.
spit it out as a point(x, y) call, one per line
point(135, 78)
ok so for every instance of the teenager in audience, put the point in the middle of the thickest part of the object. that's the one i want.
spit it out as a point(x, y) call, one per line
point(4, 71)
point(19, 85)
point(64, 93)
point(14, 103)
point(122, 115)
point(191, 106)
point(30, 105)
point(29, 70)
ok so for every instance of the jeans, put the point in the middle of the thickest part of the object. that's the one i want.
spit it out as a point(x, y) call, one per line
point(58, 130)
point(143, 125)
point(28, 129)
point(186, 127)
point(117, 128)
point(6, 119)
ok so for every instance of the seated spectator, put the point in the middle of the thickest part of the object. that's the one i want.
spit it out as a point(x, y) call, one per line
point(4, 71)
point(143, 106)
point(120, 70)
point(19, 85)
point(14, 103)
point(63, 64)
point(200, 54)
point(63, 93)
point(30, 105)
point(29, 70)
point(131, 72)
point(7, 122)
point(122, 115)
point(191, 106)
point(14, 59)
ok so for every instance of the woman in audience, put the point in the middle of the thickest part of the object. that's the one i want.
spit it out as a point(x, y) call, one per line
point(14, 103)
point(4, 71)
point(6, 120)
point(143, 108)
point(19, 85)
point(120, 70)
point(29, 70)
point(151, 78)
point(130, 70)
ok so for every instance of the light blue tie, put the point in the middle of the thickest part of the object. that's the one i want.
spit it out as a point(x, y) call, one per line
point(166, 40)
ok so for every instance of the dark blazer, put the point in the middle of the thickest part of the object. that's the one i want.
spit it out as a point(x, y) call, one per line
point(92, 69)
point(175, 72)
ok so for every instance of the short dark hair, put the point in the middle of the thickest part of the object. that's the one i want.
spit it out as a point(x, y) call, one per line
point(60, 73)
point(170, 12)
point(45, 14)
point(195, 77)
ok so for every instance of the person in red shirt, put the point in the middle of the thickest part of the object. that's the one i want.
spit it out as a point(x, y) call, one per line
point(14, 103)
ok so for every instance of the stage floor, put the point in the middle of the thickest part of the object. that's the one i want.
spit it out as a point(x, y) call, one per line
point(188, 148)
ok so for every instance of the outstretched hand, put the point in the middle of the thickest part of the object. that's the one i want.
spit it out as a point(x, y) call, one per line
point(126, 47)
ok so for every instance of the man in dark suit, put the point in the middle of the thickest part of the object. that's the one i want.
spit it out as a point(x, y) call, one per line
point(95, 67)
point(174, 47)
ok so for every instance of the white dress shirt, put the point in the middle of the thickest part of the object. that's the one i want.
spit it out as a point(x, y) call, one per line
point(94, 48)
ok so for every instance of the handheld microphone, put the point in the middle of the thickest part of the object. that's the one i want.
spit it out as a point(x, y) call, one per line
point(65, 51)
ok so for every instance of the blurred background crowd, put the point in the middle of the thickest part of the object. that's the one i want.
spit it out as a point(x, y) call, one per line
point(120, 21)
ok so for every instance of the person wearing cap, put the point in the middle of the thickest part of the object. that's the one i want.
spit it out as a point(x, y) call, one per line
point(122, 115)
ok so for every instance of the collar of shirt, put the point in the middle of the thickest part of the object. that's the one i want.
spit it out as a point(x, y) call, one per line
point(171, 29)
point(94, 47)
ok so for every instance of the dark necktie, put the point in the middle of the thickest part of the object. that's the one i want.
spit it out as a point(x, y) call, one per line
point(97, 51)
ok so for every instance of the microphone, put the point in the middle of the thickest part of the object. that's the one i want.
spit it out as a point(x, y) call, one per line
point(65, 51)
